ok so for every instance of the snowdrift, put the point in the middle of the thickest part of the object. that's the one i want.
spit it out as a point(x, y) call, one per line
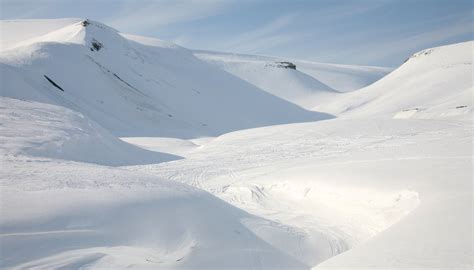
point(44, 130)
point(75, 215)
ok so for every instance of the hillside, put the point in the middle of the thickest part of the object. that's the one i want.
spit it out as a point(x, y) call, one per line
point(308, 84)
point(433, 83)
point(44, 130)
point(134, 86)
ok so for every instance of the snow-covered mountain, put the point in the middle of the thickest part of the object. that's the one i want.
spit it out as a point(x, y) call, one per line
point(135, 86)
point(126, 152)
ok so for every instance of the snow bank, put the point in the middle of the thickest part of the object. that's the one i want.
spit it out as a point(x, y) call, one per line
point(38, 129)
point(92, 216)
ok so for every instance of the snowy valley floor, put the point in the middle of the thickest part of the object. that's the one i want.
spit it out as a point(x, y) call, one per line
point(393, 192)
point(348, 193)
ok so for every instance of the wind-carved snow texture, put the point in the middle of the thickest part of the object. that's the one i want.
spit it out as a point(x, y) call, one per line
point(386, 184)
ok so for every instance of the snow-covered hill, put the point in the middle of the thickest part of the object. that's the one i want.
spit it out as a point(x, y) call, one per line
point(307, 84)
point(135, 86)
point(385, 183)
point(433, 83)
point(342, 78)
point(44, 130)
point(274, 76)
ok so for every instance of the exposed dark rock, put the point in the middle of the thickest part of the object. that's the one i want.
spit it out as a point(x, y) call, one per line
point(282, 65)
point(418, 54)
point(96, 45)
point(286, 65)
point(53, 83)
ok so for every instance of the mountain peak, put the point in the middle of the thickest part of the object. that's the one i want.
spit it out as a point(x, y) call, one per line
point(87, 23)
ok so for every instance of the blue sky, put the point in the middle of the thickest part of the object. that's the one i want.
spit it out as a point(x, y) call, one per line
point(364, 32)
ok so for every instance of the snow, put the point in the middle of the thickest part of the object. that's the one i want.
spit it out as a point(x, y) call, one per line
point(88, 215)
point(434, 83)
point(311, 84)
point(341, 182)
point(266, 73)
point(180, 147)
point(38, 129)
point(156, 156)
point(14, 32)
point(128, 87)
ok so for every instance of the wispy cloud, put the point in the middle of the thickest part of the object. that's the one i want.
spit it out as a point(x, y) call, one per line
point(141, 16)
point(408, 44)
point(346, 10)
point(20, 9)
point(264, 37)
point(295, 27)
point(375, 32)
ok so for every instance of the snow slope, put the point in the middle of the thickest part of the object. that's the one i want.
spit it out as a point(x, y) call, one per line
point(43, 130)
point(392, 193)
point(386, 193)
point(77, 215)
point(13, 32)
point(57, 213)
point(270, 75)
point(136, 86)
point(311, 83)
point(433, 83)
point(343, 78)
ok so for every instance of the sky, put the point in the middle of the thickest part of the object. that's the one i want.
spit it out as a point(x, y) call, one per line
point(362, 32)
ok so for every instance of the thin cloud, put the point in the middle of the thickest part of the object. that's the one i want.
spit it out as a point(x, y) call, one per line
point(346, 10)
point(411, 43)
point(142, 16)
point(266, 36)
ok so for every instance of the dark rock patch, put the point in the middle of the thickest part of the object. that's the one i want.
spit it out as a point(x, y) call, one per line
point(286, 65)
point(96, 45)
point(53, 83)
